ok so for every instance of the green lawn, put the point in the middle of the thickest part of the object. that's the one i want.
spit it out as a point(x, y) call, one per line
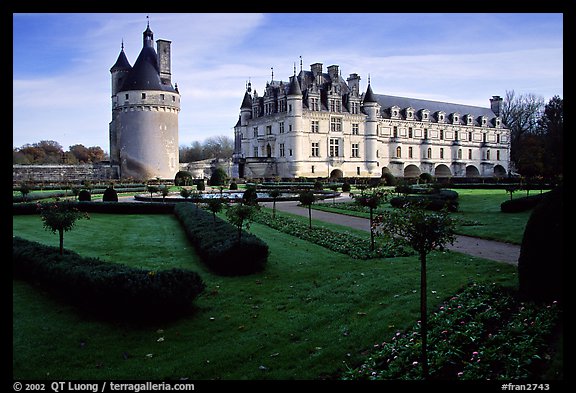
point(310, 311)
point(481, 207)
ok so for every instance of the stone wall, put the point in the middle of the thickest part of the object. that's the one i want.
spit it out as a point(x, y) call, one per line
point(64, 173)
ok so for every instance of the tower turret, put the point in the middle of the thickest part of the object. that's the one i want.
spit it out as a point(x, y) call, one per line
point(294, 117)
point(371, 108)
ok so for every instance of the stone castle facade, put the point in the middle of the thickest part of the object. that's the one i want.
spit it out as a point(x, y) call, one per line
point(318, 125)
point(145, 108)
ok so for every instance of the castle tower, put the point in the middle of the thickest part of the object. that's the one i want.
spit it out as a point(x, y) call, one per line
point(145, 107)
point(370, 107)
point(294, 118)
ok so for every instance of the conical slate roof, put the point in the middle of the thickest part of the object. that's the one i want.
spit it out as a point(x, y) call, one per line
point(369, 96)
point(294, 87)
point(122, 63)
point(145, 74)
point(246, 102)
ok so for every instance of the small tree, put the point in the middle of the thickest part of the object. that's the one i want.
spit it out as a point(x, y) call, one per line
point(185, 193)
point(215, 205)
point(424, 232)
point(240, 215)
point(511, 190)
point(371, 201)
point(218, 178)
point(60, 217)
point(274, 194)
point(152, 189)
point(307, 198)
point(334, 189)
point(165, 190)
point(250, 196)
point(75, 192)
point(24, 190)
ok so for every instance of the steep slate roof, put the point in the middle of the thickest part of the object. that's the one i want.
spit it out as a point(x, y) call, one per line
point(369, 96)
point(294, 87)
point(387, 102)
point(246, 102)
point(122, 63)
point(145, 75)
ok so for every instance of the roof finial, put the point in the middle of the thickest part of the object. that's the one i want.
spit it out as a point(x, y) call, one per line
point(122, 45)
point(272, 68)
point(368, 78)
point(294, 68)
point(147, 21)
point(300, 63)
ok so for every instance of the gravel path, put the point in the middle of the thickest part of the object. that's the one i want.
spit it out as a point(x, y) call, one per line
point(489, 249)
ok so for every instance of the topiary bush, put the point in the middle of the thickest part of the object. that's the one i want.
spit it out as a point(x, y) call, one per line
point(522, 204)
point(218, 178)
point(183, 178)
point(346, 187)
point(84, 196)
point(233, 186)
point(389, 179)
point(540, 271)
point(110, 195)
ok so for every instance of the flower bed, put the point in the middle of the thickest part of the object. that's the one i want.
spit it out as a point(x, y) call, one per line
point(482, 333)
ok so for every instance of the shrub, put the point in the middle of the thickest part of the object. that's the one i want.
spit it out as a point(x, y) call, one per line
point(110, 195)
point(200, 186)
point(346, 187)
point(84, 196)
point(389, 179)
point(218, 177)
point(521, 204)
point(434, 203)
point(104, 286)
point(250, 196)
point(426, 177)
point(233, 186)
point(541, 258)
point(216, 243)
point(183, 178)
point(318, 186)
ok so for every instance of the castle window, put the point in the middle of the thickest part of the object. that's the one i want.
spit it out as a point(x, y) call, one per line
point(497, 122)
point(336, 124)
point(355, 150)
point(315, 149)
point(312, 168)
point(255, 132)
point(395, 132)
point(143, 96)
point(315, 126)
point(282, 153)
point(459, 154)
point(425, 133)
point(290, 108)
point(358, 171)
point(334, 147)
point(441, 152)
point(409, 132)
point(498, 155)
point(126, 96)
point(354, 108)
point(470, 136)
point(290, 152)
point(355, 129)
point(268, 130)
point(398, 152)
point(162, 97)
point(289, 127)
point(255, 151)
point(441, 134)
point(469, 119)
point(483, 137)
point(487, 154)
point(429, 153)
point(314, 104)
point(484, 121)
point(469, 154)
point(456, 135)
point(173, 99)
point(281, 127)
point(497, 138)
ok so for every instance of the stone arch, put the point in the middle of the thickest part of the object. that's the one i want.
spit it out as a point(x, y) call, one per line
point(472, 171)
point(499, 171)
point(336, 174)
point(442, 171)
point(412, 171)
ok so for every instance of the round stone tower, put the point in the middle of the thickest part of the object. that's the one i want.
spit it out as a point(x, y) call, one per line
point(145, 107)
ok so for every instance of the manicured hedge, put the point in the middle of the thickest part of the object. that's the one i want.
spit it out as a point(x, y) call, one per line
point(522, 204)
point(104, 286)
point(435, 202)
point(216, 242)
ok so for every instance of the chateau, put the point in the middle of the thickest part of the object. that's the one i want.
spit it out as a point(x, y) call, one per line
point(318, 125)
point(145, 107)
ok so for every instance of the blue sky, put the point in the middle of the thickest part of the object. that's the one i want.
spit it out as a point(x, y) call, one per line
point(61, 62)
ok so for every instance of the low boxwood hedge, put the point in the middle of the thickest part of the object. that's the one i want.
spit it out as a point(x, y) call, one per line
point(97, 285)
point(216, 242)
point(435, 202)
point(522, 204)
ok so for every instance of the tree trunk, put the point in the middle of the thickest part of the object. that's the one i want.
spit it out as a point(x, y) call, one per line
point(274, 209)
point(310, 216)
point(61, 233)
point(371, 231)
point(423, 315)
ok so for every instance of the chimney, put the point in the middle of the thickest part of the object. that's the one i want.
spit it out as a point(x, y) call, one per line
point(163, 49)
point(354, 83)
point(496, 105)
point(333, 72)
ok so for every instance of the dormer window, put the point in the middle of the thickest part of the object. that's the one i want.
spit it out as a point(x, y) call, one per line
point(409, 113)
point(498, 122)
point(469, 119)
point(455, 118)
point(395, 112)
point(425, 115)
point(441, 117)
point(484, 121)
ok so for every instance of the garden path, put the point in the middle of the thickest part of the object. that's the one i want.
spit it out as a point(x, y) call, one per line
point(488, 249)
